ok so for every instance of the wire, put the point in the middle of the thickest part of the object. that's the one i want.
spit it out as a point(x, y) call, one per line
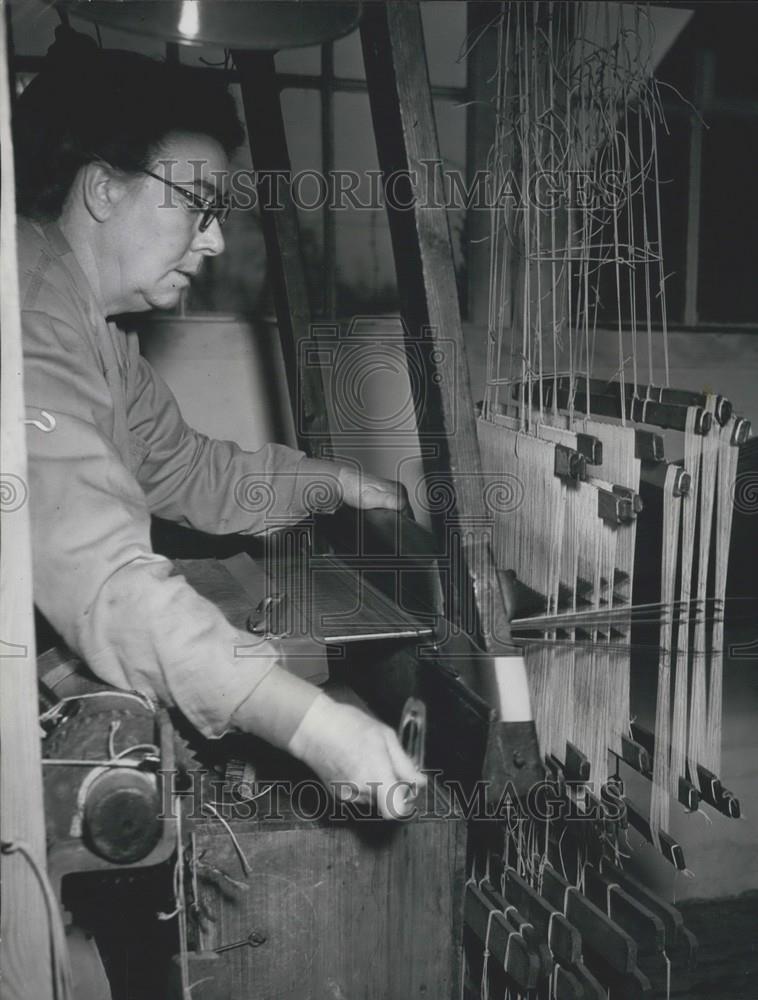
point(63, 982)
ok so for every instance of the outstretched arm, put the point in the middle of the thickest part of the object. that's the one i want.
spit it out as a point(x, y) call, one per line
point(217, 487)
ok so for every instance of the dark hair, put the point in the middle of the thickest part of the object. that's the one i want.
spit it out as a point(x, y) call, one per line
point(92, 104)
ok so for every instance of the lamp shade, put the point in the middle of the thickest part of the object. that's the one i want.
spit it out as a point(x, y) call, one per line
point(261, 25)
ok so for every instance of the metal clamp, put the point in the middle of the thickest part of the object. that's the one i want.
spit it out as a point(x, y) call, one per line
point(268, 619)
point(412, 731)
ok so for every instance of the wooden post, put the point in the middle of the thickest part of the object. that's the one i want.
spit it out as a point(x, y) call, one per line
point(25, 927)
point(268, 146)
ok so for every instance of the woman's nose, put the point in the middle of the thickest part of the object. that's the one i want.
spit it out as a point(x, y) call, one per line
point(211, 241)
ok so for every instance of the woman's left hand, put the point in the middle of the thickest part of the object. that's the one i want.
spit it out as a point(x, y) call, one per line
point(367, 492)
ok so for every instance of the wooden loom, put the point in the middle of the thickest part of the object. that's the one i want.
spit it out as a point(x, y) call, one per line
point(527, 926)
point(580, 461)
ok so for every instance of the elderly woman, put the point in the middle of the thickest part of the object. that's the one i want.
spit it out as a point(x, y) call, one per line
point(121, 167)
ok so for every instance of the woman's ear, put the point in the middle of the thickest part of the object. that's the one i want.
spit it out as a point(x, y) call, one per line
point(102, 189)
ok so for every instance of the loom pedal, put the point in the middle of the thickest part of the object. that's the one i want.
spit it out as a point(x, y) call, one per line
point(567, 986)
point(593, 990)
point(633, 985)
point(563, 938)
point(534, 940)
point(522, 966)
point(615, 946)
point(640, 923)
point(673, 922)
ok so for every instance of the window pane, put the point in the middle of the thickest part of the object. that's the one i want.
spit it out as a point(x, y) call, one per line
point(365, 266)
point(234, 282)
point(445, 35)
point(727, 289)
point(299, 60)
point(444, 31)
point(733, 39)
point(34, 25)
point(348, 57)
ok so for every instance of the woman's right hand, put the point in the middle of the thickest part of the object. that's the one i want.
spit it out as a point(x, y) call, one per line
point(356, 757)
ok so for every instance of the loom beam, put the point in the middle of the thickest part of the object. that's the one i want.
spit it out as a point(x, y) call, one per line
point(678, 397)
point(668, 416)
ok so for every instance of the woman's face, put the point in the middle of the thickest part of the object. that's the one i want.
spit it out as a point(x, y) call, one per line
point(156, 244)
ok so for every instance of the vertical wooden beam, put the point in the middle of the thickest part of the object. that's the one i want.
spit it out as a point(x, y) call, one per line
point(268, 147)
point(25, 927)
point(406, 137)
point(704, 77)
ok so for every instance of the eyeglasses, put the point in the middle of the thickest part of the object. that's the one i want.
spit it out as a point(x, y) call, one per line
point(210, 210)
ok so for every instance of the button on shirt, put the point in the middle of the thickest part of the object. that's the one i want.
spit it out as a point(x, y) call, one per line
point(107, 446)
